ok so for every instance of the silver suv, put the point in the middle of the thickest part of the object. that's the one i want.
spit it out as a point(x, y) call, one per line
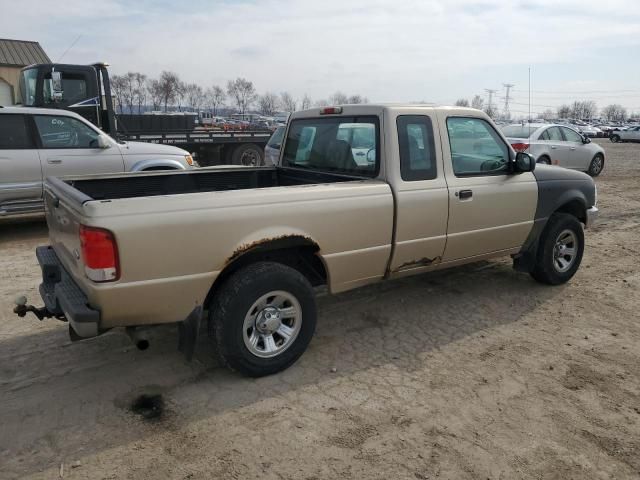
point(36, 143)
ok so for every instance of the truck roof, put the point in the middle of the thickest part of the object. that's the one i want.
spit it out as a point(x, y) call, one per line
point(373, 109)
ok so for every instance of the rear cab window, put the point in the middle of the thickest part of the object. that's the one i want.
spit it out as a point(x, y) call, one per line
point(348, 145)
point(15, 132)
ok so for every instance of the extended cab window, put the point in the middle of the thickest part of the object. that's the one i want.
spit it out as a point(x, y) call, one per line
point(417, 152)
point(476, 148)
point(337, 144)
point(65, 132)
point(15, 134)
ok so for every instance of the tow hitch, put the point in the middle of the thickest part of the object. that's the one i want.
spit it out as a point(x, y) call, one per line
point(21, 309)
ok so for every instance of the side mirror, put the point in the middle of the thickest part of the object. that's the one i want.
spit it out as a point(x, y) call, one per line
point(586, 139)
point(103, 142)
point(56, 86)
point(524, 163)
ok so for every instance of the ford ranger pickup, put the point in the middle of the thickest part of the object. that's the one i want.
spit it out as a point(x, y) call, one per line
point(360, 194)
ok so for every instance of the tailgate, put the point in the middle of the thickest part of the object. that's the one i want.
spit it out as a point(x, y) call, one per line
point(64, 225)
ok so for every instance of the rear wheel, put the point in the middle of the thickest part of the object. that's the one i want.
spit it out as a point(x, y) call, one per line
point(560, 250)
point(248, 154)
point(596, 165)
point(544, 159)
point(262, 318)
point(614, 138)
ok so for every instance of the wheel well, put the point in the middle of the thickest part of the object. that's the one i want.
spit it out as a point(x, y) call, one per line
point(544, 155)
point(296, 252)
point(575, 208)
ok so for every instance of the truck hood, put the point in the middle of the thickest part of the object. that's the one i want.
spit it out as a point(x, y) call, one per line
point(142, 148)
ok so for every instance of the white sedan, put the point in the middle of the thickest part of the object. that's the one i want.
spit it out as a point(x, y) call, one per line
point(556, 145)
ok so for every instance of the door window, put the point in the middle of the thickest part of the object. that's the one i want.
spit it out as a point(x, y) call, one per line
point(476, 148)
point(15, 133)
point(571, 136)
point(65, 132)
point(417, 152)
point(554, 134)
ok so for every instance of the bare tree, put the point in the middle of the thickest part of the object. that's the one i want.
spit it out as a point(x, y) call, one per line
point(140, 90)
point(243, 93)
point(268, 103)
point(287, 102)
point(564, 111)
point(128, 91)
point(356, 99)
point(194, 96)
point(118, 87)
point(305, 103)
point(548, 114)
point(462, 102)
point(477, 102)
point(155, 92)
point(169, 84)
point(321, 103)
point(614, 113)
point(181, 93)
point(215, 98)
point(338, 98)
point(491, 110)
point(585, 109)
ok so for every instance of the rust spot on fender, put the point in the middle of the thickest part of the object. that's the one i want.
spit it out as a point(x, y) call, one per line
point(422, 262)
point(283, 241)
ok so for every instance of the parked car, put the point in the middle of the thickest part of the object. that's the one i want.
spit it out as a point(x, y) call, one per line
point(557, 145)
point(589, 131)
point(629, 134)
point(261, 239)
point(272, 150)
point(36, 143)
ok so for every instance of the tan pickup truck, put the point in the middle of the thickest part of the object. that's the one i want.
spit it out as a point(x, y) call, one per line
point(361, 194)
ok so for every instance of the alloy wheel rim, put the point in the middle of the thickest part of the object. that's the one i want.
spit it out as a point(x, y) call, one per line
point(272, 324)
point(565, 251)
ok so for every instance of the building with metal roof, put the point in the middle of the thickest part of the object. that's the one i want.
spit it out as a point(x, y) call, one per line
point(14, 55)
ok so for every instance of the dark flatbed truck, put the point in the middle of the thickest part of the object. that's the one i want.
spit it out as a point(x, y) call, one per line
point(86, 90)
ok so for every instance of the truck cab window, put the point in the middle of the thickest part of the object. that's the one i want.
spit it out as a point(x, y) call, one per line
point(417, 152)
point(476, 148)
point(65, 132)
point(337, 144)
point(74, 88)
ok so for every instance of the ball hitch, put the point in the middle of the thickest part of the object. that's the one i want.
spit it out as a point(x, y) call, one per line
point(21, 309)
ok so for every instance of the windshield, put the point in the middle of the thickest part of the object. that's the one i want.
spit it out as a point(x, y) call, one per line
point(337, 144)
point(276, 139)
point(518, 131)
point(28, 80)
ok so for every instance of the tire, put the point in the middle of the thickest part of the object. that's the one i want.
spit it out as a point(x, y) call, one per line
point(248, 154)
point(251, 295)
point(545, 160)
point(549, 267)
point(614, 138)
point(596, 166)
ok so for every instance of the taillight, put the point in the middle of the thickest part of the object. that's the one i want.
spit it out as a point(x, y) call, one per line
point(99, 254)
point(520, 147)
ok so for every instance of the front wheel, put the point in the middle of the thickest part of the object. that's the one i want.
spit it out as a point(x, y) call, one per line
point(560, 250)
point(596, 165)
point(262, 318)
point(614, 138)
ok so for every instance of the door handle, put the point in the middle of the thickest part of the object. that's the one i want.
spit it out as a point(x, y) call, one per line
point(553, 147)
point(464, 194)
point(54, 160)
point(573, 148)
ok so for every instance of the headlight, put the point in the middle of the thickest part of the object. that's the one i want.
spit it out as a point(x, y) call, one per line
point(189, 160)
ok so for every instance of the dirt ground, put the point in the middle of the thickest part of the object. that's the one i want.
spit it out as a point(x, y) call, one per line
point(472, 373)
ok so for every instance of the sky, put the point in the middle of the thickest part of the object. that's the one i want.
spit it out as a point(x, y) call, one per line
point(387, 50)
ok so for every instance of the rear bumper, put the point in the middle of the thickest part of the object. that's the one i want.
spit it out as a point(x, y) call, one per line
point(592, 215)
point(62, 296)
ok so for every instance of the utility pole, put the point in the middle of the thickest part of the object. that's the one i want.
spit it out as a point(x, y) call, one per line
point(507, 97)
point(490, 93)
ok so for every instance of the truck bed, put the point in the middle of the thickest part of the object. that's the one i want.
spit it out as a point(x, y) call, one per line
point(194, 181)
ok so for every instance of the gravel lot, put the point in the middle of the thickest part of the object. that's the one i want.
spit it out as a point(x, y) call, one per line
point(476, 372)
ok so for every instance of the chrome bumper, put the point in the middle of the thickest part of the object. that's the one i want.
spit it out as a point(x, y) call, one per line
point(592, 215)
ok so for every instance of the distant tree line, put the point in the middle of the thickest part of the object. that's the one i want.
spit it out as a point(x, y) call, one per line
point(134, 92)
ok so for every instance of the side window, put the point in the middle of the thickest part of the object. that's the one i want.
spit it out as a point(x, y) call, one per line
point(15, 133)
point(65, 132)
point(544, 135)
point(476, 148)
point(571, 136)
point(74, 88)
point(417, 152)
point(555, 134)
